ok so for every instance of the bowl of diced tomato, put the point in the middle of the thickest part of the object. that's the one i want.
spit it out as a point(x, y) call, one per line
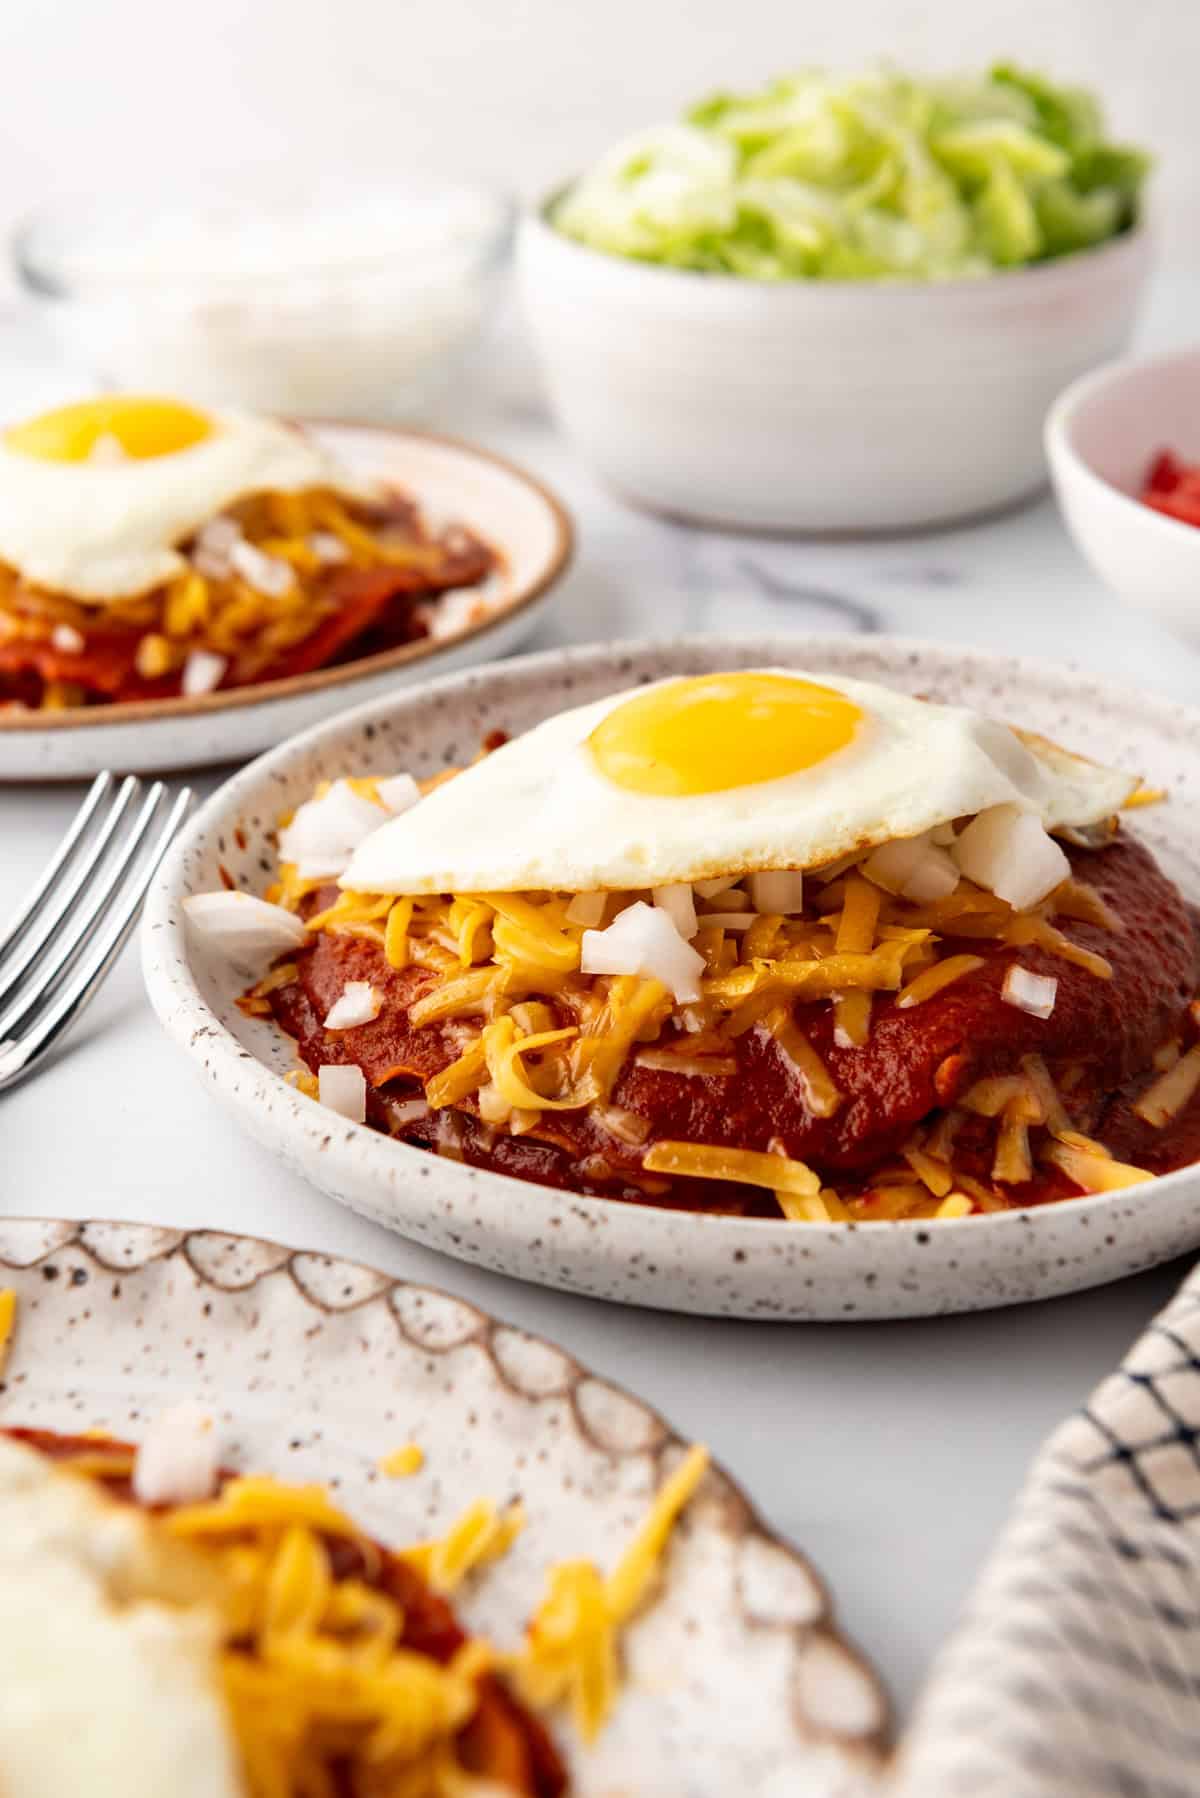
point(1124, 451)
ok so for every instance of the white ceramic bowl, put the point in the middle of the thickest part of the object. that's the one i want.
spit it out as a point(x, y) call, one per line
point(286, 293)
point(639, 1254)
point(1101, 437)
point(817, 406)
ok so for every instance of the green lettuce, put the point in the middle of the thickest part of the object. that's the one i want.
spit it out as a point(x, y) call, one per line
point(874, 176)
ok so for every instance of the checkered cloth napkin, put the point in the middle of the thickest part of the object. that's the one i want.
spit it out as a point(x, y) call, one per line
point(1076, 1668)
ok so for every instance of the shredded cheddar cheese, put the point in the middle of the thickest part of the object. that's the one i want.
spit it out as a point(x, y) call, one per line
point(313, 1661)
point(314, 1668)
point(1166, 1097)
point(571, 1652)
point(480, 1535)
point(704, 1162)
point(531, 1036)
point(942, 974)
point(401, 1463)
point(860, 914)
point(1092, 1169)
point(8, 1318)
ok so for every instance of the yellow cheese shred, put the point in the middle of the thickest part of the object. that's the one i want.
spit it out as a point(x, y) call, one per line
point(395, 933)
point(1092, 1168)
point(1166, 1097)
point(8, 1318)
point(401, 1463)
point(955, 1204)
point(482, 1534)
point(571, 1646)
point(860, 914)
point(932, 980)
point(749, 1167)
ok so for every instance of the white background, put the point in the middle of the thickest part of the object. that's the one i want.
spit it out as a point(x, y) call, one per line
point(100, 91)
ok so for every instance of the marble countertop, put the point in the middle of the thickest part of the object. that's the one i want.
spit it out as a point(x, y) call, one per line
point(890, 1452)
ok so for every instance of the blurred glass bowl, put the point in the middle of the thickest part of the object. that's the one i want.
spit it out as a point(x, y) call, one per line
point(335, 299)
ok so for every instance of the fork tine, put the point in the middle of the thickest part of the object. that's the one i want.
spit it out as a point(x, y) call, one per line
point(62, 895)
point(17, 1057)
point(45, 971)
point(17, 925)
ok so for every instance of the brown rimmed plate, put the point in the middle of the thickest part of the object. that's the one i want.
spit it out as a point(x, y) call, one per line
point(735, 1676)
point(521, 519)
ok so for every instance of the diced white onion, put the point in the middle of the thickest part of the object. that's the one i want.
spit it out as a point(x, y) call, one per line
point(178, 1461)
point(1034, 993)
point(680, 906)
point(202, 672)
point(730, 920)
point(214, 541)
point(397, 793)
point(587, 909)
point(247, 930)
point(219, 535)
point(832, 869)
point(454, 612)
point(913, 868)
point(406, 1111)
point(66, 639)
point(781, 891)
point(327, 548)
point(344, 1090)
point(734, 899)
point(934, 877)
point(893, 863)
point(1006, 850)
point(708, 889)
point(360, 1003)
point(269, 575)
point(643, 940)
point(325, 832)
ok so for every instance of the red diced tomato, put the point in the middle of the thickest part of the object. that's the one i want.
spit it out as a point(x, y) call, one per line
point(1184, 506)
point(1165, 472)
point(1173, 487)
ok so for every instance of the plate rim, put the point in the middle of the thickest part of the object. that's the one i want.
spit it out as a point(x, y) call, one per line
point(174, 991)
point(405, 655)
point(740, 1518)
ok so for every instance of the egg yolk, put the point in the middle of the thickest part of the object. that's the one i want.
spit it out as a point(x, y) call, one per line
point(716, 731)
point(140, 427)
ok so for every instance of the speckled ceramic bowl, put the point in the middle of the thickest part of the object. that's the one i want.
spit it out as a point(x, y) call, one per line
point(452, 482)
point(736, 1679)
point(638, 1254)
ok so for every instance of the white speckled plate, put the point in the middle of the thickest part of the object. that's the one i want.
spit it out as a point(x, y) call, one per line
point(736, 1677)
point(726, 1266)
point(452, 482)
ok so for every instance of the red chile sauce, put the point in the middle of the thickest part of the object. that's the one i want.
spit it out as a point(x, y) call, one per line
point(915, 1063)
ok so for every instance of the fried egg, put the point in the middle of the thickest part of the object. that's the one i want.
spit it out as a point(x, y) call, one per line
point(720, 774)
point(96, 497)
point(109, 1671)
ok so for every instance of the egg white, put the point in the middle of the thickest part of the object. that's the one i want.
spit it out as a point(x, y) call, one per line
point(102, 530)
point(108, 1664)
point(538, 815)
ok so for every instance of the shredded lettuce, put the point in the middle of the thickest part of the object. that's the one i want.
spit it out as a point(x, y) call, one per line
point(872, 176)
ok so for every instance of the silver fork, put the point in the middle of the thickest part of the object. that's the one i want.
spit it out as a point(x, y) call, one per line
point(70, 929)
